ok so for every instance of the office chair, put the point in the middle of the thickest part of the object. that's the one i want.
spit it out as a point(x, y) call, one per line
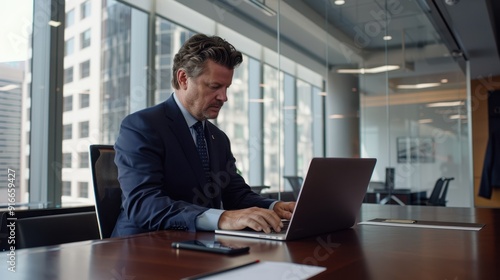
point(56, 229)
point(107, 189)
point(439, 192)
point(295, 183)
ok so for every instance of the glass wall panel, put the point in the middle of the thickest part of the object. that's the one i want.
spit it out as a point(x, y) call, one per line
point(304, 127)
point(272, 128)
point(16, 19)
point(169, 39)
point(101, 86)
point(234, 117)
point(362, 79)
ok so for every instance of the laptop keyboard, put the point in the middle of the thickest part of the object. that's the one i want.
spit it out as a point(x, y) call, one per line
point(285, 226)
point(283, 229)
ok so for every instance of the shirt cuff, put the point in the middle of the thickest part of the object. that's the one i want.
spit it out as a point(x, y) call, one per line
point(209, 220)
point(271, 207)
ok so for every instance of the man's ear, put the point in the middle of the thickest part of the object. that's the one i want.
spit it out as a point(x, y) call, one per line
point(182, 78)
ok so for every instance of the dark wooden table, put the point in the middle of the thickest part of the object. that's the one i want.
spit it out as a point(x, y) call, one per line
point(363, 252)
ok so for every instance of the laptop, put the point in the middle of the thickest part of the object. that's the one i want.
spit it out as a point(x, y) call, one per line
point(329, 200)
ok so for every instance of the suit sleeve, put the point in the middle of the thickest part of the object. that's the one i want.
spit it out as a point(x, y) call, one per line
point(139, 157)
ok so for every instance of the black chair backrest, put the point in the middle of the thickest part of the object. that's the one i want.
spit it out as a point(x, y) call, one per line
point(295, 183)
point(107, 189)
point(56, 229)
point(438, 195)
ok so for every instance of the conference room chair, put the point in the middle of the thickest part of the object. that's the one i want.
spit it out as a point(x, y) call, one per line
point(296, 183)
point(439, 192)
point(107, 190)
point(56, 229)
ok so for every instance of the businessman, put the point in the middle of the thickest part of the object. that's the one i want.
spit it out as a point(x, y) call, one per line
point(175, 168)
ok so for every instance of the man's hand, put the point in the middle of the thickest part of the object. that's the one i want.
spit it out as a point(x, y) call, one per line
point(256, 218)
point(284, 209)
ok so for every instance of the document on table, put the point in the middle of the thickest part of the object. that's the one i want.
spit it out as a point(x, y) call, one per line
point(265, 270)
point(423, 224)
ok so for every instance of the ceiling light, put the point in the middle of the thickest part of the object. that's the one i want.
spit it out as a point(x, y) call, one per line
point(419, 86)
point(458, 117)
point(9, 87)
point(425, 121)
point(339, 2)
point(262, 6)
point(445, 104)
point(54, 23)
point(373, 70)
point(444, 81)
point(387, 37)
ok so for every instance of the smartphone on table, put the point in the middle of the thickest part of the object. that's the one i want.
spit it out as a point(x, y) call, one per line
point(210, 246)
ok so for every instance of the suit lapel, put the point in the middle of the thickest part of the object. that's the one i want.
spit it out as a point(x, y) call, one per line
point(180, 129)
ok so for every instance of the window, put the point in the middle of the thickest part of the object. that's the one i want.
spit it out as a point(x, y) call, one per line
point(67, 131)
point(83, 189)
point(70, 17)
point(85, 69)
point(68, 103)
point(68, 75)
point(85, 39)
point(66, 160)
point(66, 188)
point(69, 46)
point(84, 129)
point(304, 123)
point(84, 100)
point(85, 9)
point(83, 159)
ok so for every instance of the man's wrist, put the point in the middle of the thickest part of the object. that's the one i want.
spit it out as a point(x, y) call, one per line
point(208, 220)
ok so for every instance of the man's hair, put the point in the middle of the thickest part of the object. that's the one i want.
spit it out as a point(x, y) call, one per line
point(198, 49)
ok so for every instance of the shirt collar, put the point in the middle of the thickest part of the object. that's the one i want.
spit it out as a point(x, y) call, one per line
point(190, 120)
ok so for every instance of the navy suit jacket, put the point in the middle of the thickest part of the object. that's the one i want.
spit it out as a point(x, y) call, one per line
point(161, 174)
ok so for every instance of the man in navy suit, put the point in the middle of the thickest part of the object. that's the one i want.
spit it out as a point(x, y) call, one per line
point(161, 174)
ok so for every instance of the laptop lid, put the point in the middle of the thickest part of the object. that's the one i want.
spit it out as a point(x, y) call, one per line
point(329, 200)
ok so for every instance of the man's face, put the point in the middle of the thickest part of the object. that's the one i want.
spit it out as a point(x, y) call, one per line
point(204, 95)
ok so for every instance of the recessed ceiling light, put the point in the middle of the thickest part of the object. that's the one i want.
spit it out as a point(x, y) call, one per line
point(458, 117)
point(425, 121)
point(387, 37)
point(445, 104)
point(444, 81)
point(419, 86)
point(339, 2)
point(373, 70)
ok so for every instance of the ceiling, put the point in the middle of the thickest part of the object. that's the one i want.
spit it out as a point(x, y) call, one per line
point(429, 38)
point(446, 33)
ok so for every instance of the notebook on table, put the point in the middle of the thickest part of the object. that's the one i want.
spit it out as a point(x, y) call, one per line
point(329, 199)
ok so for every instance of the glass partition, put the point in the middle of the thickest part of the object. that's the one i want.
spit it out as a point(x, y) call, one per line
point(361, 79)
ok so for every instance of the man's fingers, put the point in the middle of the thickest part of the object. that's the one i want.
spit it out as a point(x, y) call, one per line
point(258, 219)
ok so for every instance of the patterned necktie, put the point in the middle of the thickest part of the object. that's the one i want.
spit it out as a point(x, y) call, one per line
point(201, 146)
